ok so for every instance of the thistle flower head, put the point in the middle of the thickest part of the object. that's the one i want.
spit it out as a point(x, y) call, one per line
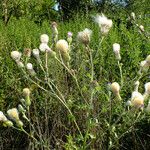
point(116, 50)
point(84, 36)
point(13, 114)
point(29, 66)
point(69, 34)
point(141, 28)
point(115, 87)
point(137, 99)
point(36, 53)
point(44, 47)
point(133, 15)
point(16, 55)
point(104, 23)
point(2, 117)
point(147, 88)
point(44, 38)
point(27, 52)
point(62, 46)
point(54, 24)
point(26, 92)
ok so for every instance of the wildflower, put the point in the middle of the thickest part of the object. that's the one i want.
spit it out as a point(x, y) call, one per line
point(13, 114)
point(62, 46)
point(144, 66)
point(137, 99)
point(104, 23)
point(44, 47)
point(84, 36)
point(26, 93)
point(44, 38)
point(141, 28)
point(16, 55)
point(27, 52)
point(54, 32)
point(115, 87)
point(133, 15)
point(29, 66)
point(116, 50)
point(69, 39)
point(30, 69)
point(147, 90)
point(2, 117)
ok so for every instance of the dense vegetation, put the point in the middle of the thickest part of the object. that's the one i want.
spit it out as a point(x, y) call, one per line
point(74, 121)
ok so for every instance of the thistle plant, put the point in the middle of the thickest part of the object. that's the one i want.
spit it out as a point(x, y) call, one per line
point(92, 111)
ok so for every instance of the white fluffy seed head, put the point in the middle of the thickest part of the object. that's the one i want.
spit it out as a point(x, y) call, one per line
point(104, 23)
point(147, 88)
point(62, 46)
point(137, 99)
point(2, 117)
point(116, 48)
point(44, 38)
point(141, 28)
point(13, 113)
point(44, 47)
point(16, 55)
point(36, 53)
point(84, 36)
point(133, 15)
point(29, 66)
point(115, 87)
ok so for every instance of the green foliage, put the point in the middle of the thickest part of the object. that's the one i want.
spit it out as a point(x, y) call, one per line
point(105, 125)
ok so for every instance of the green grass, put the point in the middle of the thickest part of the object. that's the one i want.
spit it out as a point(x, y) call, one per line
point(99, 126)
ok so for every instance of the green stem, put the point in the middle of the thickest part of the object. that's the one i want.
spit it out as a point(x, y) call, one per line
point(121, 76)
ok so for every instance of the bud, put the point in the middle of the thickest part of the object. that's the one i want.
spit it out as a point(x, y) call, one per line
point(128, 103)
point(141, 28)
point(8, 123)
point(21, 109)
point(26, 93)
point(137, 100)
point(69, 39)
point(53, 54)
point(116, 50)
point(30, 69)
point(147, 88)
point(115, 87)
point(36, 53)
point(19, 123)
point(133, 15)
point(2, 117)
point(16, 55)
point(44, 38)
point(13, 114)
point(144, 66)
